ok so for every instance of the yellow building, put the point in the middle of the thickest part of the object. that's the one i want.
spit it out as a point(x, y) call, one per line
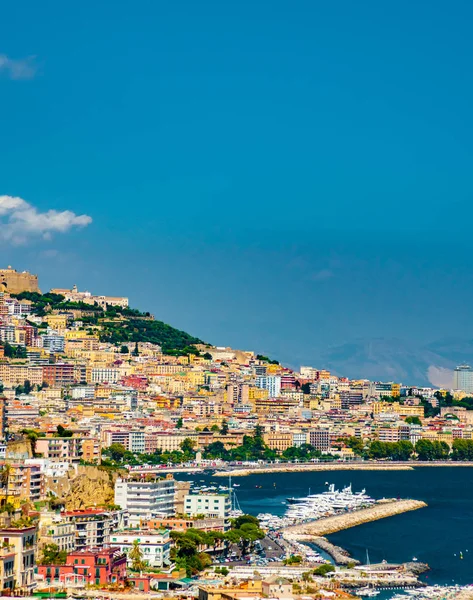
point(395, 407)
point(256, 393)
point(278, 441)
point(56, 321)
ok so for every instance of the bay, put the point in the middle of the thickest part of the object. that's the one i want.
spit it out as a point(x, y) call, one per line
point(435, 535)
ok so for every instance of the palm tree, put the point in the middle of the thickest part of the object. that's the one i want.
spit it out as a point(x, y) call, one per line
point(136, 557)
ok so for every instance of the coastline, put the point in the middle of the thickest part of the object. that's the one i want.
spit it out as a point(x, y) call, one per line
point(313, 467)
point(349, 466)
point(309, 532)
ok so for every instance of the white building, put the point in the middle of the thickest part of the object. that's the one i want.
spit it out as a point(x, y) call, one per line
point(272, 383)
point(463, 378)
point(155, 545)
point(105, 375)
point(145, 499)
point(210, 505)
point(136, 442)
point(299, 438)
point(53, 342)
point(83, 392)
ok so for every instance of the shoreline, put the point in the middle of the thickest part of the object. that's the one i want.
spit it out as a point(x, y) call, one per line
point(308, 532)
point(357, 466)
point(310, 468)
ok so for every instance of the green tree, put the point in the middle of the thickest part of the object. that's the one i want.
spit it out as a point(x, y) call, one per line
point(323, 570)
point(413, 421)
point(52, 555)
point(136, 556)
point(224, 429)
point(187, 447)
point(124, 350)
point(116, 452)
point(356, 444)
point(62, 432)
point(425, 450)
point(179, 424)
point(136, 351)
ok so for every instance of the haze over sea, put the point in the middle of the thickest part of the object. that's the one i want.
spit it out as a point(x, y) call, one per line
point(434, 535)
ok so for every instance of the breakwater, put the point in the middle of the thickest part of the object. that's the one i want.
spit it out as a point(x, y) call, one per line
point(306, 532)
point(243, 472)
point(339, 555)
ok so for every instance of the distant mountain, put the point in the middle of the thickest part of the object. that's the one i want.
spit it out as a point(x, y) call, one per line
point(396, 360)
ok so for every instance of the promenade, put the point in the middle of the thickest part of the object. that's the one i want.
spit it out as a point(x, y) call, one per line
point(244, 470)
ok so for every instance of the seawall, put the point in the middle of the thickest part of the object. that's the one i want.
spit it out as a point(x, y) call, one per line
point(243, 472)
point(306, 532)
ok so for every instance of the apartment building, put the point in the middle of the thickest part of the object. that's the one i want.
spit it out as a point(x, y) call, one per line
point(61, 449)
point(145, 498)
point(210, 505)
point(87, 567)
point(20, 558)
point(320, 439)
point(59, 374)
point(154, 544)
point(278, 441)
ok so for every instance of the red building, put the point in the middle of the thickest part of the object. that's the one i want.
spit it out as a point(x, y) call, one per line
point(58, 374)
point(138, 382)
point(94, 567)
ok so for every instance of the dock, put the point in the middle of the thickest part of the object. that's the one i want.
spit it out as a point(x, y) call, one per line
point(307, 532)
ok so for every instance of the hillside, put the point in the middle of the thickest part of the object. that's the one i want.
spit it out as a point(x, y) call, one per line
point(117, 325)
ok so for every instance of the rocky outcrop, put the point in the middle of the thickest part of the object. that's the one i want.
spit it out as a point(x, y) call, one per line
point(84, 487)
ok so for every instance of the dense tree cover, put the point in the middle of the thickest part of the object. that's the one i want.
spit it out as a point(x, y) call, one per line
point(462, 450)
point(172, 341)
point(119, 325)
point(266, 359)
point(393, 450)
point(13, 351)
point(24, 389)
point(432, 450)
point(303, 453)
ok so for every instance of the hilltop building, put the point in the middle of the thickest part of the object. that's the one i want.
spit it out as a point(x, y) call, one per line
point(74, 295)
point(13, 282)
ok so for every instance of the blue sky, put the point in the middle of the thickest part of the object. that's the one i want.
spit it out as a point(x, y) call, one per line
point(280, 176)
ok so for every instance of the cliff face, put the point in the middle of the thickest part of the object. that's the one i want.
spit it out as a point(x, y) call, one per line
point(85, 487)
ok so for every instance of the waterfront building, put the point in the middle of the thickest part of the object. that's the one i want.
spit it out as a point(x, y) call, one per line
point(145, 498)
point(209, 505)
point(320, 439)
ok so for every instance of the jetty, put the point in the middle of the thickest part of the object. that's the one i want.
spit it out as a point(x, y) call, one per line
point(339, 555)
point(307, 532)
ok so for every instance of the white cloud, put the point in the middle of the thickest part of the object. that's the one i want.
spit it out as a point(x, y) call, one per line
point(18, 68)
point(21, 222)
